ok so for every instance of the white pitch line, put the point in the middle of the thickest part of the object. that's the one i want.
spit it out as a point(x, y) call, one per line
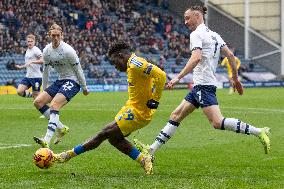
point(118, 106)
point(14, 146)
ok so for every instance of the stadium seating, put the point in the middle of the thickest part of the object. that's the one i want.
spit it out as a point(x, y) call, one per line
point(90, 27)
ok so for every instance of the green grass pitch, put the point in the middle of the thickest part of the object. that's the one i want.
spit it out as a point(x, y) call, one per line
point(198, 156)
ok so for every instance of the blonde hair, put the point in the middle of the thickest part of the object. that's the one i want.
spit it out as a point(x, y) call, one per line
point(31, 36)
point(55, 27)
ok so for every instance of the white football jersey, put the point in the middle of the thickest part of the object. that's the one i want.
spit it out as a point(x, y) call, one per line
point(33, 70)
point(65, 62)
point(210, 43)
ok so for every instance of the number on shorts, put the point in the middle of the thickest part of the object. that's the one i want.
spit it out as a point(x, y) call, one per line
point(68, 86)
point(199, 97)
point(130, 116)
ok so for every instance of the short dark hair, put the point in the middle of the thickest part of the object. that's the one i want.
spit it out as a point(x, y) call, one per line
point(199, 8)
point(117, 47)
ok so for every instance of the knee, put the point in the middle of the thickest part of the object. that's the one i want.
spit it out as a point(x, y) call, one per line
point(55, 106)
point(38, 103)
point(20, 92)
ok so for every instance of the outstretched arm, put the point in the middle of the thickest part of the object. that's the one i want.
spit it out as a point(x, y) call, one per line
point(37, 61)
point(190, 65)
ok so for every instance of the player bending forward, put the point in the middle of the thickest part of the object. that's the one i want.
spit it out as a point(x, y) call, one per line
point(63, 58)
point(145, 85)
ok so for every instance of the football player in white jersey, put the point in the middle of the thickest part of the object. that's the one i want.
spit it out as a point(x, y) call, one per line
point(33, 62)
point(63, 58)
point(205, 46)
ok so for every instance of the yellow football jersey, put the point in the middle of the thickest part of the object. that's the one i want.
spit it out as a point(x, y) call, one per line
point(229, 69)
point(145, 81)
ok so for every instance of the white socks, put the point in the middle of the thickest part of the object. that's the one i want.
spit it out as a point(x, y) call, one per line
point(52, 125)
point(166, 133)
point(238, 126)
point(45, 110)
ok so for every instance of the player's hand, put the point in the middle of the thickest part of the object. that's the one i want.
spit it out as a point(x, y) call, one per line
point(152, 104)
point(85, 92)
point(171, 84)
point(237, 86)
point(28, 63)
point(18, 66)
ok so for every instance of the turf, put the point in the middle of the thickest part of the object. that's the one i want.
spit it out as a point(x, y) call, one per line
point(198, 156)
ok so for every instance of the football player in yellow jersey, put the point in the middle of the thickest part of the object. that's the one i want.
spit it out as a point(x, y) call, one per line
point(224, 62)
point(145, 85)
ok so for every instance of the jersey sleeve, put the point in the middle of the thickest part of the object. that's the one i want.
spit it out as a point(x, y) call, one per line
point(159, 78)
point(74, 61)
point(151, 71)
point(45, 71)
point(38, 53)
point(195, 41)
point(221, 41)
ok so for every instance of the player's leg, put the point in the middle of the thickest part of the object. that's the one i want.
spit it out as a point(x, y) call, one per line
point(68, 89)
point(116, 138)
point(125, 122)
point(41, 102)
point(35, 94)
point(36, 84)
point(182, 111)
point(187, 106)
point(217, 120)
point(90, 144)
point(23, 87)
point(55, 105)
point(22, 91)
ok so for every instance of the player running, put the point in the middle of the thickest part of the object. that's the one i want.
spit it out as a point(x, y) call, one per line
point(205, 46)
point(63, 58)
point(33, 62)
point(145, 85)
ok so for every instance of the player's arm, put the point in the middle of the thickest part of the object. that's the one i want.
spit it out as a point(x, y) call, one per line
point(190, 65)
point(20, 67)
point(45, 75)
point(39, 60)
point(159, 78)
point(232, 61)
point(74, 60)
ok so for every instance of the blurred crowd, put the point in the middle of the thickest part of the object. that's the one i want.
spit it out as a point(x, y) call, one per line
point(90, 26)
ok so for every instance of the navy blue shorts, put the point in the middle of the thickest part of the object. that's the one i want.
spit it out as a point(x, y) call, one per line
point(35, 83)
point(69, 88)
point(202, 95)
